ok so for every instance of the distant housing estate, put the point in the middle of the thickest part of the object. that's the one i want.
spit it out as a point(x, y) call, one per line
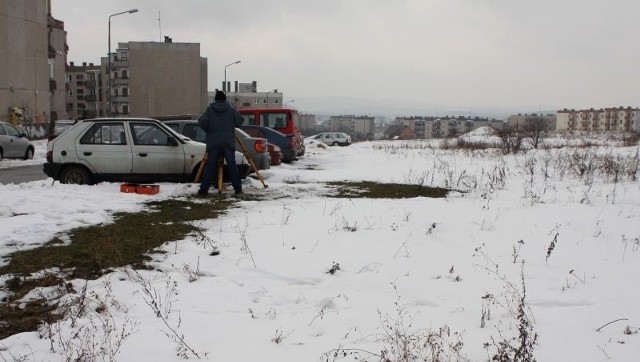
point(440, 127)
point(359, 127)
point(596, 120)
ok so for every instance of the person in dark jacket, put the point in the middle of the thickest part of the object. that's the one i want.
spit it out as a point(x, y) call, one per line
point(220, 120)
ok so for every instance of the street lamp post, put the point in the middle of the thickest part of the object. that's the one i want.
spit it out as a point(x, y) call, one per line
point(109, 59)
point(224, 87)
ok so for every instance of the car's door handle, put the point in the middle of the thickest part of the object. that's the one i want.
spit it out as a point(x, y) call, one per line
point(142, 154)
point(87, 153)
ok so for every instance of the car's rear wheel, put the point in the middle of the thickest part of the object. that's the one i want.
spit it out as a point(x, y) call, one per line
point(29, 154)
point(75, 175)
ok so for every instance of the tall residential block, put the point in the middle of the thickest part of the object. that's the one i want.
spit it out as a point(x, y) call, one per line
point(85, 87)
point(32, 58)
point(595, 120)
point(150, 79)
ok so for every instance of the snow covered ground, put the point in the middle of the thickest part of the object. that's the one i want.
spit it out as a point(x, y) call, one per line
point(302, 275)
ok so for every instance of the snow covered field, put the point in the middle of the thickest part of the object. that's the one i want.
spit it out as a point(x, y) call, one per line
point(302, 275)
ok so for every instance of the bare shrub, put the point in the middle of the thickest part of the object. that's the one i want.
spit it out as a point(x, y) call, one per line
point(161, 303)
point(92, 332)
point(510, 140)
point(403, 343)
point(519, 348)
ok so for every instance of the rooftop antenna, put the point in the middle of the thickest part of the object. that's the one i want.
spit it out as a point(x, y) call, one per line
point(159, 26)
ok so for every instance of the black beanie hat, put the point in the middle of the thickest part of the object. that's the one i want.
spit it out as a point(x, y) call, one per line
point(220, 96)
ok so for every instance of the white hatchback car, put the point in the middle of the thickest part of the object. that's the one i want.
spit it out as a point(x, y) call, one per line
point(125, 149)
point(333, 138)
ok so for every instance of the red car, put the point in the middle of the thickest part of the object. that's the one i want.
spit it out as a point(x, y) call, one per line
point(283, 120)
point(275, 154)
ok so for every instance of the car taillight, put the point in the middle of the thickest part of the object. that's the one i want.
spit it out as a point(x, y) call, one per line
point(259, 146)
point(50, 156)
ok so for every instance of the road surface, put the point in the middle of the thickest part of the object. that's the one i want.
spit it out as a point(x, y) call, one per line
point(21, 174)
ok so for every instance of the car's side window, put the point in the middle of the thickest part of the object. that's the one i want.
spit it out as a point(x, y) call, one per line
point(2, 131)
point(12, 131)
point(274, 120)
point(146, 134)
point(195, 132)
point(105, 134)
point(248, 119)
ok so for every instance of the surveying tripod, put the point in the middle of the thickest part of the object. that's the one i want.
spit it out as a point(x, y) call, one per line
point(220, 162)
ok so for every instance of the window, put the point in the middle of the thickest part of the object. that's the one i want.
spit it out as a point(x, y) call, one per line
point(105, 134)
point(124, 55)
point(125, 109)
point(124, 74)
point(125, 91)
point(274, 120)
point(146, 134)
point(195, 132)
point(248, 119)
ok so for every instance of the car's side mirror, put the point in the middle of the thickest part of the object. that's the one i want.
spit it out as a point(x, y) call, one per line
point(172, 141)
point(22, 135)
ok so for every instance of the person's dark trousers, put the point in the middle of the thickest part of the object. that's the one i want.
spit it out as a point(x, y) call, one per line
point(212, 166)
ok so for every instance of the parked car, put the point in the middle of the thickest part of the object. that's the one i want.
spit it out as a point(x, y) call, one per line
point(285, 142)
point(283, 120)
point(332, 138)
point(275, 154)
point(257, 147)
point(125, 149)
point(60, 126)
point(14, 144)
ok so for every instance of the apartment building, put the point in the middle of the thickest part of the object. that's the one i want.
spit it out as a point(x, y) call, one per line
point(519, 121)
point(440, 127)
point(246, 95)
point(359, 127)
point(153, 79)
point(307, 124)
point(33, 52)
point(85, 88)
point(599, 120)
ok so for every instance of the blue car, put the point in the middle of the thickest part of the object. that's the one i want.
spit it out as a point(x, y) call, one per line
point(286, 143)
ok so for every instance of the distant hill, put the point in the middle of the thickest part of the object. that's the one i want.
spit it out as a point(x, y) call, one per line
point(390, 108)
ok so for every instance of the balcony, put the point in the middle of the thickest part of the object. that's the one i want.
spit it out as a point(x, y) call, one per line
point(90, 83)
point(120, 81)
point(90, 98)
point(120, 99)
point(119, 64)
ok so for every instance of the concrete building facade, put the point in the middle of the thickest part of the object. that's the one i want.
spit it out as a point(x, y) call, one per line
point(519, 121)
point(619, 119)
point(33, 52)
point(85, 88)
point(358, 127)
point(150, 79)
point(246, 95)
point(441, 127)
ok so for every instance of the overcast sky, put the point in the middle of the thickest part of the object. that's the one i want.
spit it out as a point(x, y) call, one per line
point(470, 55)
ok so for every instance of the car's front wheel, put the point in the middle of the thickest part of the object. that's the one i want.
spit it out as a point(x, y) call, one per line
point(75, 175)
point(335, 143)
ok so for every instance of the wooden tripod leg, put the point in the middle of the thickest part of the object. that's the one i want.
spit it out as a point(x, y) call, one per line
point(250, 159)
point(201, 168)
point(220, 173)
